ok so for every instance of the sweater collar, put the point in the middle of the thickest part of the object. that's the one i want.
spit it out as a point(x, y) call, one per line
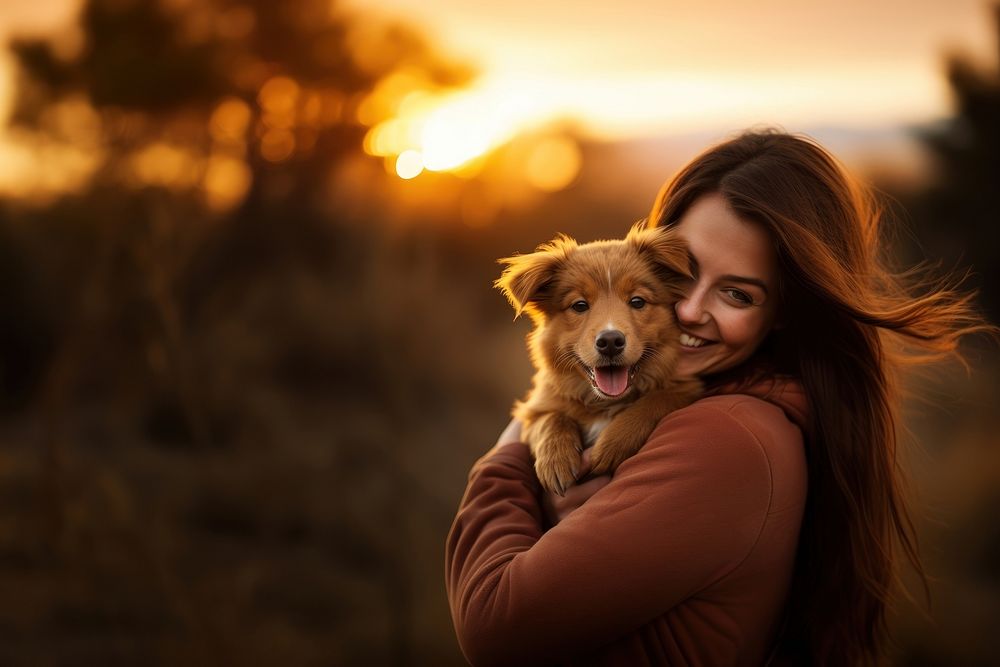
point(784, 391)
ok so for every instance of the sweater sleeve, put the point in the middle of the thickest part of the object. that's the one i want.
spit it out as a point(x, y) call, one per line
point(678, 516)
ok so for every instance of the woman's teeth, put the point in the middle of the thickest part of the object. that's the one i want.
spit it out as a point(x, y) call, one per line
point(691, 341)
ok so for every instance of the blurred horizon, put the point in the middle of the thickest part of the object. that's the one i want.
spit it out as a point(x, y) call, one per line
point(648, 68)
point(863, 78)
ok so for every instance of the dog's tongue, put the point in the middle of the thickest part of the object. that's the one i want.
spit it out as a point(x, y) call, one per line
point(612, 380)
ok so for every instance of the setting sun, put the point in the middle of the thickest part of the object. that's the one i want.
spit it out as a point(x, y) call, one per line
point(447, 130)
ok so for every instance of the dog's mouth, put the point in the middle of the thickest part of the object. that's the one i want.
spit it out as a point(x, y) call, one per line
point(611, 381)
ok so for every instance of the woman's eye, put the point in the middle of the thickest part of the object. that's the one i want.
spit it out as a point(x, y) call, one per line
point(580, 306)
point(740, 297)
point(637, 302)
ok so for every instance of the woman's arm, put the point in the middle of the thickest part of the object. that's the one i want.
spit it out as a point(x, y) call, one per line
point(678, 516)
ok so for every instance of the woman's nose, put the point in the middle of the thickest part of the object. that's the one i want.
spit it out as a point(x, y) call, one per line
point(691, 308)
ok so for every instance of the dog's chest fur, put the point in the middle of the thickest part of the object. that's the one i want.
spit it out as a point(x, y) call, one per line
point(592, 430)
point(591, 434)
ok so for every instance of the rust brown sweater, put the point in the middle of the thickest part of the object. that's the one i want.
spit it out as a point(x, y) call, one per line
point(684, 558)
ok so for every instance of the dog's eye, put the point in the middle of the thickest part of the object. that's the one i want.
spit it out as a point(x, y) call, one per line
point(580, 306)
point(637, 302)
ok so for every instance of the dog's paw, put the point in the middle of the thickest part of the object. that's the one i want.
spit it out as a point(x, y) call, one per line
point(612, 447)
point(558, 471)
point(604, 460)
point(623, 437)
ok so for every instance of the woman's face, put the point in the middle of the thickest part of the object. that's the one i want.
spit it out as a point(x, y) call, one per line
point(731, 304)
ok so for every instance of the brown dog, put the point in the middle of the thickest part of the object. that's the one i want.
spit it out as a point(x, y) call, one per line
point(605, 346)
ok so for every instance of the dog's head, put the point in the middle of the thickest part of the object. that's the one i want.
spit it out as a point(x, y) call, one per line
point(603, 311)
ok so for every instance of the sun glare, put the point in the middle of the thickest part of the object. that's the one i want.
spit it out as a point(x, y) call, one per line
point(446, 130)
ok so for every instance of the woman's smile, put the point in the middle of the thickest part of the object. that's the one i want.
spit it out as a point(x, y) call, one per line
point(692, 343)
point(730, 304)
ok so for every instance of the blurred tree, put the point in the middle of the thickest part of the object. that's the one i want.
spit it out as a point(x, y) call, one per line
point(25, 341)
point(958, 215)
point(956, 220)
point(222, 468)
point(201, 109)
point(172, 58)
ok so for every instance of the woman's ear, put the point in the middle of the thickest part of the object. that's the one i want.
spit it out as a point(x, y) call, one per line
point(663, 247)
point(526, 277)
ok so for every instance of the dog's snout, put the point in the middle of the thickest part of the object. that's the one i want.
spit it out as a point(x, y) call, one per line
point(610, 342)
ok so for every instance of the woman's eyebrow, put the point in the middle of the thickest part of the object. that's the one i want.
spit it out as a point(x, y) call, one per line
point(730, 277)
point(693, 262)
point(743, 279)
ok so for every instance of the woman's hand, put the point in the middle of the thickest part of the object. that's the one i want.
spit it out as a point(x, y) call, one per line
point(558, 507)
point(510, 435)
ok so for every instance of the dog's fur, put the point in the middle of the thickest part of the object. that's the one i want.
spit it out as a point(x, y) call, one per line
point(565, 409)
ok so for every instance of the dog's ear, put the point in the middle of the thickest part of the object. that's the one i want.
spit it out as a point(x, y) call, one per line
point(526, 279)
point(664, 248)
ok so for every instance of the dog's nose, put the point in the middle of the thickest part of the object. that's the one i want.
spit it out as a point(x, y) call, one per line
point(610, 342)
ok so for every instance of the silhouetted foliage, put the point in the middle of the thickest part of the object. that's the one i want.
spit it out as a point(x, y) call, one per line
point(25, 340)
point(957, 217)
point(208, 464)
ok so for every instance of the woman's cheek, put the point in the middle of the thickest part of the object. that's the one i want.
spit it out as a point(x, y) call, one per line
point(744, 329)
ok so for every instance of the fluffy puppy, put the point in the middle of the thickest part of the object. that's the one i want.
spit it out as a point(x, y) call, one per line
point(605, 346)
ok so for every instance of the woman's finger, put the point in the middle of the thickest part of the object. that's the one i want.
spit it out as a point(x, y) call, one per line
point(585, 463)
point(558, 507)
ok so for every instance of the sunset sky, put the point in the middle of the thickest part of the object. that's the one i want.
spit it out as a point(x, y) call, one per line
point(636, 69)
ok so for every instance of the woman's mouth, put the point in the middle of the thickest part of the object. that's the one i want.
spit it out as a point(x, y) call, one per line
point(693, 342)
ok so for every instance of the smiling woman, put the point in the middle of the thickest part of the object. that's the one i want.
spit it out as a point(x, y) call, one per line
point(760, 523)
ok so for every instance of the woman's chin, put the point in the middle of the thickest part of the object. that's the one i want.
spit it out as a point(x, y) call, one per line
point(695, 362)
point(687, 367)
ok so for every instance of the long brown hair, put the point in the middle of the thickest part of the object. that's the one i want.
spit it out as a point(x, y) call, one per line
point(850, 323)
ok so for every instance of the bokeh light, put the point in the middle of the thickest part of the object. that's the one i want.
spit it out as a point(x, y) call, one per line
point(554, 163)
point(165, 165)
point(277, 144)
point(409, 164)
point(230, 120)
point(226, 182)
point(278, 97)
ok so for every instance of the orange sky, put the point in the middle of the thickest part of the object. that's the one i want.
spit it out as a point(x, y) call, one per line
point(627, 69)
point(638, 67)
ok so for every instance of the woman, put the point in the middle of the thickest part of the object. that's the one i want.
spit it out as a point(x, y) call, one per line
point(760, 523)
